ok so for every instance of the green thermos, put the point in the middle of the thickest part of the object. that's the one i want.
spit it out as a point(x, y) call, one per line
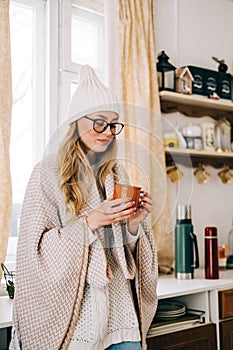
point(185, 244)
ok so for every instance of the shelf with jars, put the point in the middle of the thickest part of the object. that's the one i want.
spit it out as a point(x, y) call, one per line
point(199, 106)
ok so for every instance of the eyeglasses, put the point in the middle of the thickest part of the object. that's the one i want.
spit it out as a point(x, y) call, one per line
point(100, 125)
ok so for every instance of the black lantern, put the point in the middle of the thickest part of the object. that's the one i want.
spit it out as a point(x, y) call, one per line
point(166, 73)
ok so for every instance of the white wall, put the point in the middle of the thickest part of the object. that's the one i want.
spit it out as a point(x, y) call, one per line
point(191, 32)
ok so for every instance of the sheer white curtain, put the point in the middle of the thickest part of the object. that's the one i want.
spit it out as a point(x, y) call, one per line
point(112, 40)
point(5, 125)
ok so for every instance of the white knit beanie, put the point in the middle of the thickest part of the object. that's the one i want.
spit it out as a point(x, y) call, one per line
point(91, 96)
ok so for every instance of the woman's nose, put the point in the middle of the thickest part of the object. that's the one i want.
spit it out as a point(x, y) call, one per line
point(108, 130)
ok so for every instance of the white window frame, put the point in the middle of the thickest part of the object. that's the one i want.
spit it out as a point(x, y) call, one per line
point(93, 10)
point(54, 76)
point(52, 66)
point(39, 111)
point(68, 70)
point(39, 123)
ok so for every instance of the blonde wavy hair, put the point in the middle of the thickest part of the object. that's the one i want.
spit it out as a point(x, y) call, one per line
point(76, 173)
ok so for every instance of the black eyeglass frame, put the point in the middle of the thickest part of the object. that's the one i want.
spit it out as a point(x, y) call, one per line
point(106, 126)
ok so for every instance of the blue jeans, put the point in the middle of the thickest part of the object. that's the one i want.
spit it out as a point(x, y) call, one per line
point(126, 345)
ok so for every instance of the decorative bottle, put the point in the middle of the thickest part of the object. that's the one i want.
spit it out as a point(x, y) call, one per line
point(211, 253)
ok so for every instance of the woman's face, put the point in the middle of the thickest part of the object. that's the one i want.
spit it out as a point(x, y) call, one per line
point(94, 141)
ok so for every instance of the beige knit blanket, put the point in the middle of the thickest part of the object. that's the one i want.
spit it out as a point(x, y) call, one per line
point(54, 259)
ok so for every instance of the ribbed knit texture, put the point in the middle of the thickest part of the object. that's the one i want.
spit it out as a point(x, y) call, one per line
point(91, 96)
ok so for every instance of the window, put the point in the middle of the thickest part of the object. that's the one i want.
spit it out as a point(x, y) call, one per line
point(49, 39)
point(28, 114)
point(87, 38)
point(82, 42)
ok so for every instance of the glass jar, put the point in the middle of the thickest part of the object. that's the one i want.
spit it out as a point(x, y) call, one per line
point(208, 136)
point(223, 135)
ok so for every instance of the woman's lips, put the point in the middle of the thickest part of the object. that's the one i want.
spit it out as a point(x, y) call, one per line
point(104, 141)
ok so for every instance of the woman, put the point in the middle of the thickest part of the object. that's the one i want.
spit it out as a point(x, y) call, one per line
point(86, 263)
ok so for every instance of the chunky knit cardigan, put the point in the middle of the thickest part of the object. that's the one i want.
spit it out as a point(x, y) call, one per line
point(55, 259)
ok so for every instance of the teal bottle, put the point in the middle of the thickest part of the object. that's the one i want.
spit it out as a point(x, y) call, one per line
point(186, 247)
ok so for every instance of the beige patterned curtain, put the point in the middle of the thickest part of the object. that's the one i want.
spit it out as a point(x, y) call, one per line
point(144, 132)
point(5, 124)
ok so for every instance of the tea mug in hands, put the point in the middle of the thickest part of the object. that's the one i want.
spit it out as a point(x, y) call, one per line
point(125, 191)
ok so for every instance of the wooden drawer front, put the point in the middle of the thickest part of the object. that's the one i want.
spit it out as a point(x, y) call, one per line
point(226, 303)
point(195, 338)
point(226, 335)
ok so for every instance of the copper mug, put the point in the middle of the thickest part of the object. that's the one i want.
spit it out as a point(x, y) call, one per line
point(174, 174)
point(225, 175)
point(201, 175)
point(125, 191)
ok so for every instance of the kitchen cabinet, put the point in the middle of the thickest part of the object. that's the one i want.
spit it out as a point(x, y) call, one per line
point(5, 336)
point(221, 304)
point(197, 106)
point(226, 303)
point(196, 338)
point(213, 297)
point(226, 335)
point(225, 319)
point(6, 305)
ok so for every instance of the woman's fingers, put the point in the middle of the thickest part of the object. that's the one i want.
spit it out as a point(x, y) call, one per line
point(146, 205)
point(108, 208)
point(119, 201)
point(123, 215)
point(120, 209)
point(123, 206)
point(146, 201)
point(117, 205)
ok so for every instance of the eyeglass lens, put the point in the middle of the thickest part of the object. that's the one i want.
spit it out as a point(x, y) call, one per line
point(100, 125)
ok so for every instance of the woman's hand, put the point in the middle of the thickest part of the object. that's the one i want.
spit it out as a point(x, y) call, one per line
point(111, 211)
point(141, 213)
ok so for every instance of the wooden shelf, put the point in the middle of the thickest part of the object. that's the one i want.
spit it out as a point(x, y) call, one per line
point(192, 158)
point(196, 105)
